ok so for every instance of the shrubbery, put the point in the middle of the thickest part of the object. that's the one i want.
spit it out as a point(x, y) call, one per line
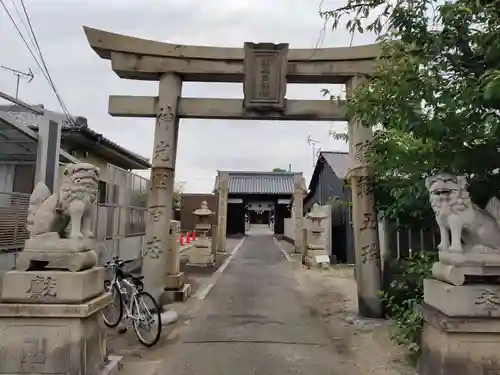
point(402, 297)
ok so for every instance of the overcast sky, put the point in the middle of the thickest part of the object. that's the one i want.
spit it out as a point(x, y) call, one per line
point(85, 81)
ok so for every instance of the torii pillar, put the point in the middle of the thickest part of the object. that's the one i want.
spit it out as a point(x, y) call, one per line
point(161, 189)
point(364, 217)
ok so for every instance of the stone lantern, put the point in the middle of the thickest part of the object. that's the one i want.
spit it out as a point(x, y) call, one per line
point(316, 255)
point(202, 255)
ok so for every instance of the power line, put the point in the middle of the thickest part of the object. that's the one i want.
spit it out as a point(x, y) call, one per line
point(43, 69)
point(23, 23)
point(61, 102)
point(22, 37)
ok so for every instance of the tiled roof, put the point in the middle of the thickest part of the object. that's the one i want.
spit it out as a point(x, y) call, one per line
point(260, 183)
point(27, 118)
point(340, 162)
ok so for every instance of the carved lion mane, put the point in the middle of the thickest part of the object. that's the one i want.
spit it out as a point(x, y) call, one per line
point(72, 204)
point(81, 183)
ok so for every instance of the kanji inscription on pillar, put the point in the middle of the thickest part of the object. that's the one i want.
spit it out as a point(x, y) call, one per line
point(370, 254)
point(165, 117)
point(159, 179)
point(153, 248)
point(363, 151)
point(264, 85)
point(364, 186)
point(162, 153)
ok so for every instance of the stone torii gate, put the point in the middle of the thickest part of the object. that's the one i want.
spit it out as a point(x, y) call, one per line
point(265, 69)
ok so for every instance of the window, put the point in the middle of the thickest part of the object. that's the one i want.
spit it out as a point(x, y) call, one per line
point(6, 183)
point(102, 192)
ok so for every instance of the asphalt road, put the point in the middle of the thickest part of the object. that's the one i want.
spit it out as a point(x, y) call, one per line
point(254, 321)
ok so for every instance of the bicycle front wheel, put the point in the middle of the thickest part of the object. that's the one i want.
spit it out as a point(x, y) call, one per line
point(146, 318)
point(112, 314)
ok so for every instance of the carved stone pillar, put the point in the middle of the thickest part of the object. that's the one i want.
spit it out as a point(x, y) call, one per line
point(222, 211)
point(364, 217)
point(161, 185)
point(202, 254)
point(175, 287)
point(315, 254)
point(298, 213)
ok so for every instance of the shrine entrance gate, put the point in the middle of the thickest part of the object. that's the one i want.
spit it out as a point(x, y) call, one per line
point(265, 69)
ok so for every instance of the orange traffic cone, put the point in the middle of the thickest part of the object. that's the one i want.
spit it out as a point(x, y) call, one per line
point(188, 238)
point(194, 235)
point(181, 240)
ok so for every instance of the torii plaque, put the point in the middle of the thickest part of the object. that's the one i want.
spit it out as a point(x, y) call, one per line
point(264, 86)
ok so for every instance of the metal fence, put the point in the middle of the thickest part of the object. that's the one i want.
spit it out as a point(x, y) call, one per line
point(404, 241)
point(13, 215)
point(123, 210)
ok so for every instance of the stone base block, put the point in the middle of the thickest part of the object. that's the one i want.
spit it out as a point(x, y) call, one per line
point(478, 262)
point(474, 258)
point(472, 300)
point(201, 256)
point(53, 339)
point(179, 295)
point(311, 259)
point(52, 241)
point(55, 259)
point(174, 282)
point(459, 346)
point(52, 286)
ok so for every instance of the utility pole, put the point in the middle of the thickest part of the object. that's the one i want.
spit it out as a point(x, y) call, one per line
point(313, 143)
point(20, 75)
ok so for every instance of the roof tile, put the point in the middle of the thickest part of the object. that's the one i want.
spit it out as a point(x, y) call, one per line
point(260, 183)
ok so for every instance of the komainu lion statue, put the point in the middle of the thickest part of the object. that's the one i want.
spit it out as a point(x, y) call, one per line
point(457, 215)
point(73, 205)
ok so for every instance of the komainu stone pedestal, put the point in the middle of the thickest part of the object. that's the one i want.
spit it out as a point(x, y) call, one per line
point(51, 323)
point(462, 329)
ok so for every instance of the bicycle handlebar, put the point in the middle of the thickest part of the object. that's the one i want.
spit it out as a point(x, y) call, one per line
point(116, 262)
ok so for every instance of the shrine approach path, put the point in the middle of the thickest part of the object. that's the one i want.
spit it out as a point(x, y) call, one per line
point(255, 321)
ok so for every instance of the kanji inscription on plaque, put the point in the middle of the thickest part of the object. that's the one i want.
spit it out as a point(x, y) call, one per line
point(265, 76)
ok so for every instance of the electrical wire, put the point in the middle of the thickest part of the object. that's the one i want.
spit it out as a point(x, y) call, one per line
point(23, 22)
point(51, 82)
point(42, 66)
point(22, 37)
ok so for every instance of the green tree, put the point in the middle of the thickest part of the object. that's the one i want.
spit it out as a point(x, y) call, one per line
point(140, 198)
point(434, 98)
point(176, 200)
point(279, 170)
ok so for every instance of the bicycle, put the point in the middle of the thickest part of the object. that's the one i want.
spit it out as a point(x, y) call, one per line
point(130, 302)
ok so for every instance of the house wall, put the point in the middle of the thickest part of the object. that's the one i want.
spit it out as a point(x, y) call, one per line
point(329, 186)
point(99, 162)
